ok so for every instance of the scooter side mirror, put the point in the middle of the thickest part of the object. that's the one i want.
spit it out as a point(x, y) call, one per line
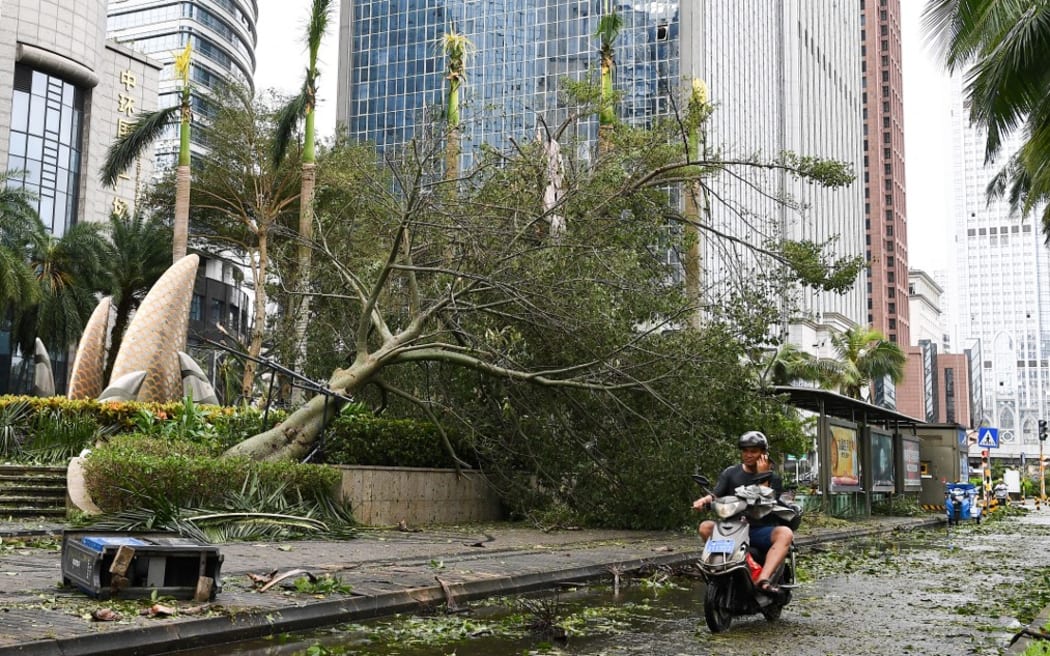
point(701, 480)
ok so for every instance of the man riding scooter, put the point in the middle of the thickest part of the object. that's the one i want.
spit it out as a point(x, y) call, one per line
point(767, 534)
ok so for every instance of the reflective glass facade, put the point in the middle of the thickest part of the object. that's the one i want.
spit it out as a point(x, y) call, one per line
point(45, 142)
point(522, 48)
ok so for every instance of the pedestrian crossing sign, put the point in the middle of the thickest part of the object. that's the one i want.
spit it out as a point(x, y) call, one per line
point(988, 438)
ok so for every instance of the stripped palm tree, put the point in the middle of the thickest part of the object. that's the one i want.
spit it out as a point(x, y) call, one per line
point(609, 26)
point(699, 109)
point(302, 108)
point(456, 47)
point(143, 134)
point(1003, 47)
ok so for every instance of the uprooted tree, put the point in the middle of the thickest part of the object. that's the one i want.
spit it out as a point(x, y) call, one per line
point(469, 283)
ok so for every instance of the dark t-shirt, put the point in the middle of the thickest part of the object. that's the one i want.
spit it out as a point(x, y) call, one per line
point(733, 477)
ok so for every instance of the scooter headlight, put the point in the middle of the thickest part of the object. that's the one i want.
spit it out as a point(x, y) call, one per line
point(729, 507)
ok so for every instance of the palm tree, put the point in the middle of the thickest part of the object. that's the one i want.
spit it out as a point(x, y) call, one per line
point(1007, 88)
point(67, 273)
point(609, 26)
point(456, 47)
point(240, 197)
point(864, 355)
point(142, 135)
point(302, 108)
point(787, 364)
point(18, 225)
point(136, 257)
point(697, 113)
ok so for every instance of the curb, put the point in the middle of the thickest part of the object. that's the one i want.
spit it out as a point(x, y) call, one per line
point(1023, 641)
point(168, 638)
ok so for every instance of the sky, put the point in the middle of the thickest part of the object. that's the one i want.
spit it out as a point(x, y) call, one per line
point(281, 54)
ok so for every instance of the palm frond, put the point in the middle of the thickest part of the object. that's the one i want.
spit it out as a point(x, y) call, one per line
point(143, 133)
point(320, 16)
point(288, 118)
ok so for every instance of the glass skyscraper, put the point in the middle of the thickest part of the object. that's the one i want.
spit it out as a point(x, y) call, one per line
point(783, 74)
point(395, 82)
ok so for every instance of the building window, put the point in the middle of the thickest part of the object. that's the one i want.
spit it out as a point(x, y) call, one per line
point(45, 144)
point(218, 310)
point(195, 308)
point(892, 310)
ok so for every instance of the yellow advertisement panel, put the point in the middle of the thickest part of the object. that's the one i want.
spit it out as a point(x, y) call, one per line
point(845, 461)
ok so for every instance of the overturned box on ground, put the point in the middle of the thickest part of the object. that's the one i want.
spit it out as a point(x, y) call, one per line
point(119, 564)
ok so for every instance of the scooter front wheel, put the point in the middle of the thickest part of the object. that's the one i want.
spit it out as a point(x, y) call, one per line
point(715, 611)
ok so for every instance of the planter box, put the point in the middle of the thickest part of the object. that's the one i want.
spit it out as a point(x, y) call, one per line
point(384, 496)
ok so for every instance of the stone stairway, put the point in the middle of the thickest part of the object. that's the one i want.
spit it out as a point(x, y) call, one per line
point(32, 491)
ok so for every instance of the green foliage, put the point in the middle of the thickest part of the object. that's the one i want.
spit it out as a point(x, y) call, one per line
point(14, 422)
point(132, 469)
point(321, 585)
point(898, 505)
point(813, 267)
point(363, 439)
point(56, 437)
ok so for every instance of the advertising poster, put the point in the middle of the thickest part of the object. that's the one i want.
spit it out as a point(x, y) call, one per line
point(882, 470)
point(912, 465)
point(845, 463)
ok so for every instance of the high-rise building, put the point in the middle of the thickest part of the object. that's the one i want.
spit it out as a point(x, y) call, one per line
point(885, 217)
point(785, 75)
point(223, 37)
point(65, 94)
point(1001, 273)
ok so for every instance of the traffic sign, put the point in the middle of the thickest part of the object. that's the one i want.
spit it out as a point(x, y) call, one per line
point(988, 438)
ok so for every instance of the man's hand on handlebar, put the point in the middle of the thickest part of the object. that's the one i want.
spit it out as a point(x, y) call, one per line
point(703, 502)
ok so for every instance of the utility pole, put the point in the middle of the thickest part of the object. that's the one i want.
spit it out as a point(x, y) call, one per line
point(1042, 466)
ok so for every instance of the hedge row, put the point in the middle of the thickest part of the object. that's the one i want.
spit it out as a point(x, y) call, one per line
point(354, 438)
point(134, 470)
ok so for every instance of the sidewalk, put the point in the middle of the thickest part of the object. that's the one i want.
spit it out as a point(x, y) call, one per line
point(389, 571)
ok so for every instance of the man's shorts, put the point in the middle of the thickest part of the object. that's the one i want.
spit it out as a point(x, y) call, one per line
point(762, 537)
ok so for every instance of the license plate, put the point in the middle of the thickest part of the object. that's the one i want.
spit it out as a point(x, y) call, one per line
point(720, 546)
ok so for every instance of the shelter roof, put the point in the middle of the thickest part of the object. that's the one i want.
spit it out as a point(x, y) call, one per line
point(833, 404)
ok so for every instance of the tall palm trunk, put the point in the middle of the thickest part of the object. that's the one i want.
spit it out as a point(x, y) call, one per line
point(181, 226)
point(609, 26)
point(302, 107)
point(456, 47)
point(698, 111)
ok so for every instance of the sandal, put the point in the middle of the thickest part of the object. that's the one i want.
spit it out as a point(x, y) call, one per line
point(768, 588)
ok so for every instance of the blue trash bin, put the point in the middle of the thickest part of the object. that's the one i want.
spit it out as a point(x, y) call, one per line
point(960, 502)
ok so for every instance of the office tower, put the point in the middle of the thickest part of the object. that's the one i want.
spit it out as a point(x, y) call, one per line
point(1001, 271)
point(65, 94)
point(784, 75)
point(884, 194)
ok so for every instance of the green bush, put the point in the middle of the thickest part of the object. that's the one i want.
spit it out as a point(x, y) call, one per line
point(364, 439)
point(130, 470)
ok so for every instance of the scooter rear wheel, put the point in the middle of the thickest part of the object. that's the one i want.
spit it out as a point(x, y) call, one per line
point(715, 612)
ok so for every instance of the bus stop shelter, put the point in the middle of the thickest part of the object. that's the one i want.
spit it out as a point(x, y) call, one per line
point(864, 450)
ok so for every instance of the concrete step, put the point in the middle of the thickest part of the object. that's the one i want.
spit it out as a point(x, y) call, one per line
point(7, 489)
point(29, 511)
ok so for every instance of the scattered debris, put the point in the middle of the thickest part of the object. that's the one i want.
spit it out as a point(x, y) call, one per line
point(287, 575)
point(158, 610)
point(450, 601)
point(106, 615)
